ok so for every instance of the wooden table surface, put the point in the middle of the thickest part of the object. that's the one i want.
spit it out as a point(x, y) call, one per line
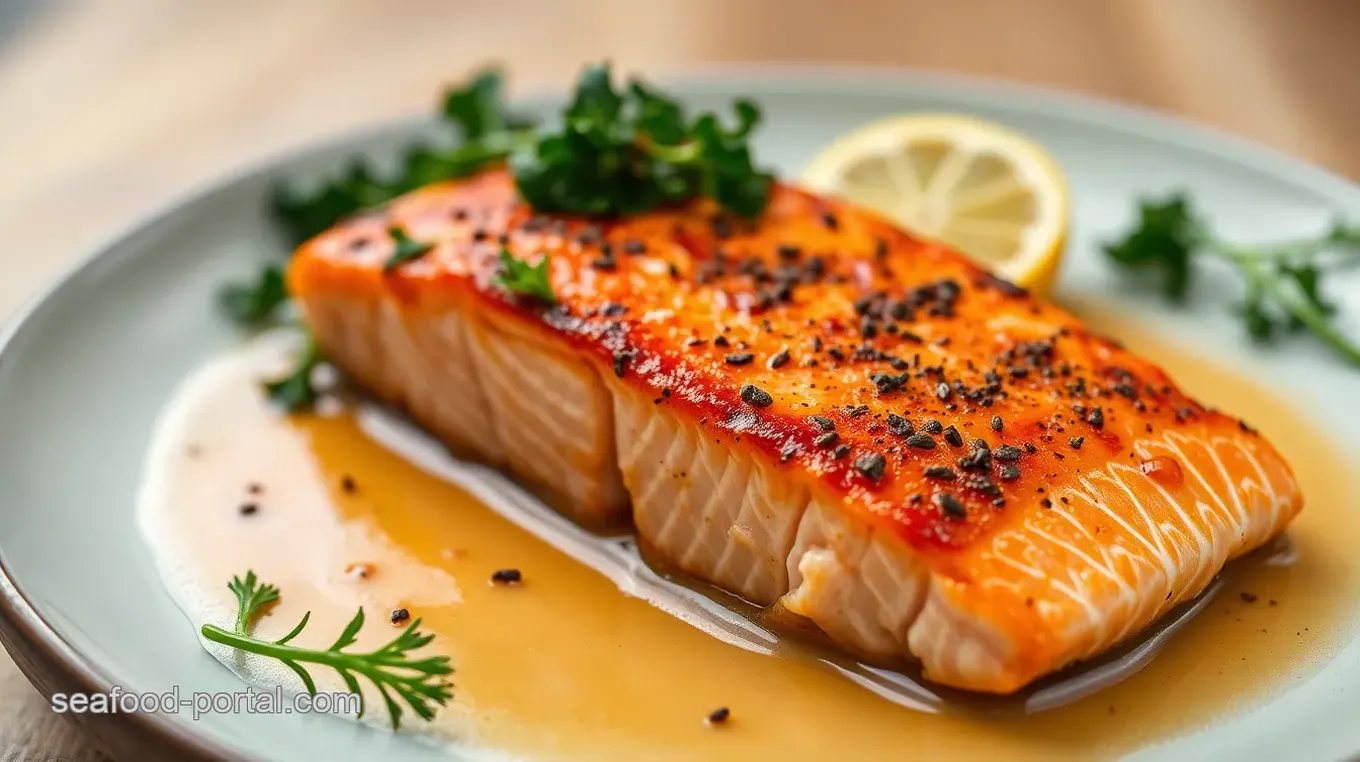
point(109, 108)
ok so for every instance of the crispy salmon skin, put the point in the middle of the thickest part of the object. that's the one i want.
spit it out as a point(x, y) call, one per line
point(815, 409)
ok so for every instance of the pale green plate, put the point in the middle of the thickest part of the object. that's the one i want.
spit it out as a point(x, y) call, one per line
point(84, 372)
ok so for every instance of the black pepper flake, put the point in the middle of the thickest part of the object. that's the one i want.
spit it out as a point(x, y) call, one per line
point(830, 220)
point(997, 423)
point(613, 309)
point(739, 358)
point(824, 423)
point(978, 460)
point(899, 425)
point(953, 437)
point(249, 509)
point(1009, 472)
point(887, 383)
point(944, 473)
point(826, 439)
point(590, 234)
point(621, 360)
point(789, 251)
point(815, 267)
point(1075, 442)
point(507, 577)
point(605, 264)
point(950, 506)
point(634, 247)
point(719, 716)
point(754, 395)
point(1096, 418)
point(921, 441)
point(871, 465)
point(1249, 597)
point(1046, 503)
point(721, 341)
point(254, 488)
point(347, 485)
point(778, 360)
point(1006, 454)
point(1031, 449)
point(841, 452)
point(933, 426)
point(982, 484)
point(400, 615)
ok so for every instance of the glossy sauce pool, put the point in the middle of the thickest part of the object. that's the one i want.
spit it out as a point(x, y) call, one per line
point(567, 664)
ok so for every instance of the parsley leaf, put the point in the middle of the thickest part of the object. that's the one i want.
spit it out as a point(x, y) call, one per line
point(251, 304)
point(407, 249)
point(625, 152)
point(475, 109)
point(421, 683)
point(522, 278)
point(1283, 280)
point(619, 151)
point(295, 392)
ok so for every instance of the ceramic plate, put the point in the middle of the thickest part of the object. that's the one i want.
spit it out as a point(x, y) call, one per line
point(84, 372)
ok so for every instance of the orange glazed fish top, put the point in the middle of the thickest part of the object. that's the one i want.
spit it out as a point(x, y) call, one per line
point(1033, 493)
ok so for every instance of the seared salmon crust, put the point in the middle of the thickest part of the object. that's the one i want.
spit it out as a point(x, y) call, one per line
point(815, 409)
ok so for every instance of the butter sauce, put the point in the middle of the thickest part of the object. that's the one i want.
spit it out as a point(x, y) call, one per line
point(596, 655)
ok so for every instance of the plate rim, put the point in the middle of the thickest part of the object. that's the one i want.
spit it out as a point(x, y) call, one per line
point(24, 630)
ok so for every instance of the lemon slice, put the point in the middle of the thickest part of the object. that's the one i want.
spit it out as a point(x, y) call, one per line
point(986, 190)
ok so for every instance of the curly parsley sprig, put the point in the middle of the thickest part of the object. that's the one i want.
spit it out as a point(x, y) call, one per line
point(488, 131)
point(1283, 280)
point(618, 151)
point(419, 683)
point(621, 152)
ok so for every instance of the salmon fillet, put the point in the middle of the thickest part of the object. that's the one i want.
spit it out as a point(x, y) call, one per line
point(816, 410)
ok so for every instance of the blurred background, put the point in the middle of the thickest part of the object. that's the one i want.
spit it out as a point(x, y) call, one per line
point(109, 108)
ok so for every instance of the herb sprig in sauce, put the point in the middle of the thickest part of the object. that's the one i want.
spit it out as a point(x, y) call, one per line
point(1283, 280)
point(419, 683)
